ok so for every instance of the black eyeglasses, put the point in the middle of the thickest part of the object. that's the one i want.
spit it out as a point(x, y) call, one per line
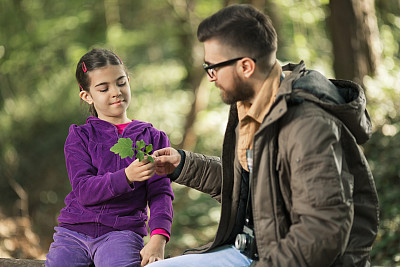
point(210, 69)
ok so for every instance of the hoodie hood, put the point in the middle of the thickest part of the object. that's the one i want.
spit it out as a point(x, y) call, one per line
point(344, 99)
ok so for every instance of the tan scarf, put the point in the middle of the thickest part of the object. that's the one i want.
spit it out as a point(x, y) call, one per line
point(252, 115)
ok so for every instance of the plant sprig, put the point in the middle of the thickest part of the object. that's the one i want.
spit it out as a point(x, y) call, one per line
point(124, 147)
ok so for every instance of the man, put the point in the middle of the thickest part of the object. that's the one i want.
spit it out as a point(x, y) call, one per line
point(292, 140)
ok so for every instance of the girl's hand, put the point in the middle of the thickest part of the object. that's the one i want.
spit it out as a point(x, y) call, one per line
point(140, 171)
point(153, 250)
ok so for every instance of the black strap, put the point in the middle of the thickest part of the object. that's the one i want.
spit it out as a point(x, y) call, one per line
point(249, 212)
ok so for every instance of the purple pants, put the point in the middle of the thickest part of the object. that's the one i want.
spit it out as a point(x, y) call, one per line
point(117, 248)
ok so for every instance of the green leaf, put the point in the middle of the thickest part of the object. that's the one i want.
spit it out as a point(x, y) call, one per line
point(140, 144)
point(123, 147)
point(140, 155)
point(149, 148)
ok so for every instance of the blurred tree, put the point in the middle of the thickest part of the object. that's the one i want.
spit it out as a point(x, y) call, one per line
point(355, 38)
point(384, 103)
point(185, 16)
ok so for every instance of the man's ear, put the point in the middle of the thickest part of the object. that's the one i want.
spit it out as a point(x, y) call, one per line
point(247, 67)
point(85, 96)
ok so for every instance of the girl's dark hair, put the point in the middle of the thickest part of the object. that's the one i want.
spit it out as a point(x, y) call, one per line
point(94, 59)
point(242, 27)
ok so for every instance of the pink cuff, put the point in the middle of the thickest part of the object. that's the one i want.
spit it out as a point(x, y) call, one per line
point(160, 231)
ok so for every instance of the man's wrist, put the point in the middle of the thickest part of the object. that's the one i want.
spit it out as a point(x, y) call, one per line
point(173, 176)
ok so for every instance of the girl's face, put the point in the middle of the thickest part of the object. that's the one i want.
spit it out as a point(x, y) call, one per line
point(110, 93)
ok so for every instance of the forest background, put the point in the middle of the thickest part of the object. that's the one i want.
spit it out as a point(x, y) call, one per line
point(42, 40)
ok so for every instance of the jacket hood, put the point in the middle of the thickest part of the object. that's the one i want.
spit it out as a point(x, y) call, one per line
point(344, 99)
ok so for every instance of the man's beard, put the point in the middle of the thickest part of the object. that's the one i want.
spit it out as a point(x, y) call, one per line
point(241, 91)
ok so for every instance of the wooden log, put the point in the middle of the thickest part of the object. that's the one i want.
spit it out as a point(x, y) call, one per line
point(20, 262)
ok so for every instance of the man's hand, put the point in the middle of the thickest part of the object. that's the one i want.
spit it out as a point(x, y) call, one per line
point(153, 250)
point(140, 170)
point(166, 160)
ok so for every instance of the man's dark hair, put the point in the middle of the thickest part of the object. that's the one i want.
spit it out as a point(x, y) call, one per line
point(243, 28)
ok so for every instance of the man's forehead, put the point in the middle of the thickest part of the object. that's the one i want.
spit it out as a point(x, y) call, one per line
point(215, 51)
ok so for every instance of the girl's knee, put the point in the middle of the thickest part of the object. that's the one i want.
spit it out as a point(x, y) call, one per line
point(65, 256)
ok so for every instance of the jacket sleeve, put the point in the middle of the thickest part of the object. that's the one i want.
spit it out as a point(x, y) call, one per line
point(203, 173)
point(88, 187)
point(159, 192)
point(321, 193)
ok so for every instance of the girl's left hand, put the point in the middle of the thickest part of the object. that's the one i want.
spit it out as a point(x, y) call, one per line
point(153, 250)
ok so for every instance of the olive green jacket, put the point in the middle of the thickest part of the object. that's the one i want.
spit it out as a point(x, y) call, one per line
point(313, 195)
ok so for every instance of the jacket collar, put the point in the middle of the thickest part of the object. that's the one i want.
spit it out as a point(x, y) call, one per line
point(280, 106)
point(133, 128)
point(297, 70)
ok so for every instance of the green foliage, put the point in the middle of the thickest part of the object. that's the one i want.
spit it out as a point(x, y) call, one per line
point(302, 33)
point(382, 151)
point(386, 248)
point(124, 147)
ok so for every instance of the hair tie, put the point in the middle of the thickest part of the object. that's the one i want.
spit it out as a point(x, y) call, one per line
point(84, 67)
point(81, 87)
point(120, 60)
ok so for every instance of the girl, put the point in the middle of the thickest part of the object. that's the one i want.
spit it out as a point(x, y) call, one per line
point(104, 220)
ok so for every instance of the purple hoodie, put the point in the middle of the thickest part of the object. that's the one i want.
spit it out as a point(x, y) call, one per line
point(101, 199)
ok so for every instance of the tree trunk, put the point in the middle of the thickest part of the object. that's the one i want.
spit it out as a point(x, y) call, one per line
point(192, 61)
point(21, 262)
point(259, 4)
point(111, 11)
point(355, 38)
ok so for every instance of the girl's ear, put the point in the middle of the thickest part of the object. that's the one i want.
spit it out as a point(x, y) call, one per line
point(85, 96)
